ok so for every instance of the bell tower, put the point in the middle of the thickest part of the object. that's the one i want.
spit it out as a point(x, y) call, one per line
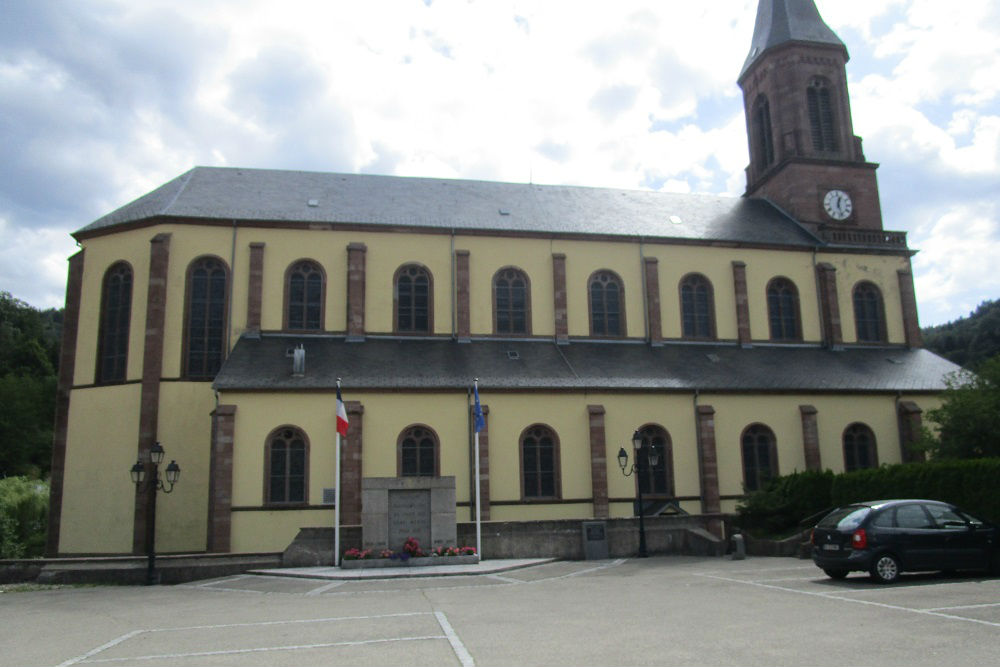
point(804, 156)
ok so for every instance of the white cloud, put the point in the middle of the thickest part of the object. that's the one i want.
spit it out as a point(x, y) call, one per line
point(952, 272)
point(111, 98)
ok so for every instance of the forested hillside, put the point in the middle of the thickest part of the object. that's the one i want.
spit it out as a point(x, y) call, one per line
point(29, 354)
point(968, 341)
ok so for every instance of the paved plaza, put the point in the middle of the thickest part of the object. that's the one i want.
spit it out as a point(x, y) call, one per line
point(657, 611)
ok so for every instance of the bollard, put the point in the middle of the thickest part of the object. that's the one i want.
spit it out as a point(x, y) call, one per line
point(739, 547)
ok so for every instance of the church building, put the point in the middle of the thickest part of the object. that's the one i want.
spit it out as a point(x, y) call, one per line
point(743, 338)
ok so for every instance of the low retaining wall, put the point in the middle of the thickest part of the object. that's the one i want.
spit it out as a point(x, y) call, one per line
point(796, 546)
point(563, 539)
point(172, 569)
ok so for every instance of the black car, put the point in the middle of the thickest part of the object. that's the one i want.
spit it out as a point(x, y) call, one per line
point(886, 537)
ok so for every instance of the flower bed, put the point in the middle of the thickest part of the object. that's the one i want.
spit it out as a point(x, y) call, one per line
point(410, 556)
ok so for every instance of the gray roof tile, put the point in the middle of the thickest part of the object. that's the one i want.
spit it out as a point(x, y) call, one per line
point(783, 21)
point(276, 196)
point(413, 364)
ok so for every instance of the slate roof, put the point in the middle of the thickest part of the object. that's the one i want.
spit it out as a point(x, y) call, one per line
point(414, 364)
point(782, 21)
point(278, 196)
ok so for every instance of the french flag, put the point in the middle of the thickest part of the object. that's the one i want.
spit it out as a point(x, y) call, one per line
point(341, 415)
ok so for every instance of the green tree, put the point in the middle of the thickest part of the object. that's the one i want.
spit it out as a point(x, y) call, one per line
point(968, 341)
point(29, 343)
point(969, 417)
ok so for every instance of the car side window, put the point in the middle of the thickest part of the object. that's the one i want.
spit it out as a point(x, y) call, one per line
point(913, 516)
point(946, 518)
point(884, 519)
point(973, 521)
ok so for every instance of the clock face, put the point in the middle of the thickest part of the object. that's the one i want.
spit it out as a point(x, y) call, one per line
point(838, 205)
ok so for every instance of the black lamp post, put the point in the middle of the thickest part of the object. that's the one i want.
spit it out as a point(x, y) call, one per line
point(151, 486)
point(645, 453)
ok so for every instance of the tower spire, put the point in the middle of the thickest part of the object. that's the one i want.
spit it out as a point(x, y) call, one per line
point(782, 21)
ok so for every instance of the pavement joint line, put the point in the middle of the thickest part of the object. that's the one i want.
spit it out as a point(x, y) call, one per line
point(967, 606)
point(266, 649)
point(325, 588)
point(227, 580)
point(509, 580)
point(102, 647)
point(457, 646)
point(830, 596)
point(330, 619)
point(88, 656)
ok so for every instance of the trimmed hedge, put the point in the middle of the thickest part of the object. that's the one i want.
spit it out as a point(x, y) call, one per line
point(971, 484)
point(787, 502)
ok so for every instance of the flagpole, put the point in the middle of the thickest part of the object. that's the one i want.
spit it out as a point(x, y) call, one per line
point(479, 513)
point(336, 492)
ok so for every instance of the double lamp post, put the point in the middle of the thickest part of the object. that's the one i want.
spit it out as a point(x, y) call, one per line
point(152, 485)
point(645, 455)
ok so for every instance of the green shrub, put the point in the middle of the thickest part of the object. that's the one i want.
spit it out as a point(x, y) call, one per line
point(779, 508)
point(970, 484)
point(24, 505)
point(786, 502)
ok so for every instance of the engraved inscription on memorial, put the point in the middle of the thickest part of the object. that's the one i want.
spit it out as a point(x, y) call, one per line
point(409, 516)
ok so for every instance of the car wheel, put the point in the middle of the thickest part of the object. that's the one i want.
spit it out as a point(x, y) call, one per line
point(885, 569)
point(836, 574)
point(995, 562)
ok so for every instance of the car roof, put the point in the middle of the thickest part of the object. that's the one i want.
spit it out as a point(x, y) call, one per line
point(876, 504)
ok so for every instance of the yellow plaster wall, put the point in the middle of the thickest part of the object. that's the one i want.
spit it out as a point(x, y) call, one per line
point(101, 253)
point(272, 530)
point(626, 413)
point(878, 269)
point(567, 415)
point(781, 414)
point(185, 247)
point(583, 259)
point(675, 262)
point(386, 253)
point(184, 430)
point(836, 413)
point(98, 504)
point(765, 265)
point(489, 255)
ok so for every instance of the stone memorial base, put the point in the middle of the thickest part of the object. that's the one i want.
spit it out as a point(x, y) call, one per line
point(397, 508)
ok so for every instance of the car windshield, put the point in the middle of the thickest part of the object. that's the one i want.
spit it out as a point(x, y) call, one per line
point(845, 518)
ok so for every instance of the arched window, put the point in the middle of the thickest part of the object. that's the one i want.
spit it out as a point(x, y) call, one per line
point(116, 312)
point(783, 310)
point(869, 313)
point(760, 456)
point(821, 116)
point(412, 296)
point(658, 480)
point(511, 302)
point(286, 459)
point(540, 463)
point(417, 449)
point(761, 115)
point(205, 317)
point(697, 307)
point(305, 285)
point(607, 296)
point(860, 450)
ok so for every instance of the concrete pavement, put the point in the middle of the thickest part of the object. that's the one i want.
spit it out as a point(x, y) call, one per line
point(656, 611)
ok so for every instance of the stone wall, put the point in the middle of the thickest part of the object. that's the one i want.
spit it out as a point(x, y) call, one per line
point(686, 535)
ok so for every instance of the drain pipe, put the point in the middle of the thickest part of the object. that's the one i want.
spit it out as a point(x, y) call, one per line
point(454, 296)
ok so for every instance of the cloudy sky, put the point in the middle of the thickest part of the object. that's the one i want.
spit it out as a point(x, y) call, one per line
point(103, 100)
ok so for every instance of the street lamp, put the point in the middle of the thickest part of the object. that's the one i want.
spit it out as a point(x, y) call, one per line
point(645, 453)
point(151, 486)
